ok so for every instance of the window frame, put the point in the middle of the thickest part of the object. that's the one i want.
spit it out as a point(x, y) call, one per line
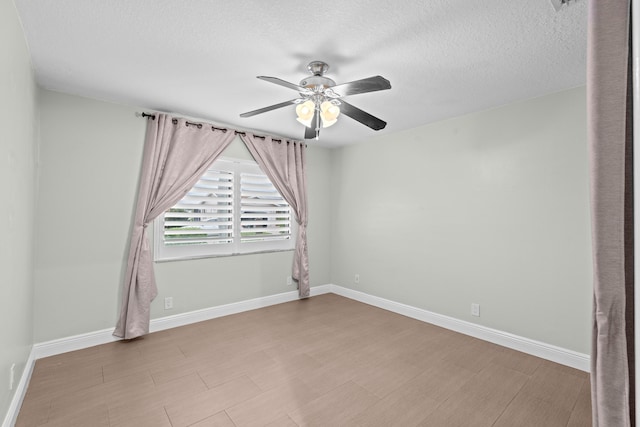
point(166, 253)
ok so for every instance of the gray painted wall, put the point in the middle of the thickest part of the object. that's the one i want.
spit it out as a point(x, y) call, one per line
point(489, 208)
point(18, 147)
point(91, 155)
point(89, 165)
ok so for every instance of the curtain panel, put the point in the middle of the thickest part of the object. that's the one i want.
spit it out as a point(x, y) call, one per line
point(176, 154)
point(609, 113)
point(284, 162)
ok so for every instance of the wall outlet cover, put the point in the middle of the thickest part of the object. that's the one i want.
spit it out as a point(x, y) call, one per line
point(475, 309)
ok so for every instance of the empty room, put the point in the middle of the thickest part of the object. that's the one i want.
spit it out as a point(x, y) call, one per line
point(359, 213)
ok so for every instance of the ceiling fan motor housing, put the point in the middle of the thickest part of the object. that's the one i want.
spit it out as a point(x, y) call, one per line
point(317, 68)
point(315, 81)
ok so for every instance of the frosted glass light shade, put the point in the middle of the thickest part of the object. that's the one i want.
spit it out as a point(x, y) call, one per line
point(329, 113)
point(305, 112)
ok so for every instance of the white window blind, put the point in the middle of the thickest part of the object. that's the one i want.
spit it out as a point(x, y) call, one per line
point(232, 209)
point(264, 214)
point(205, 215)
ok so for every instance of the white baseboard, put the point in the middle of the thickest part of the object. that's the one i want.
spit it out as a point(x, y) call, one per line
point(227, 309)
point(73, 343)
point(546, 351)
point(536, 348)
point(21, 389)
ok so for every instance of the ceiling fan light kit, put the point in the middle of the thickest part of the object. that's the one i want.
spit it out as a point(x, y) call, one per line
point(321, 103)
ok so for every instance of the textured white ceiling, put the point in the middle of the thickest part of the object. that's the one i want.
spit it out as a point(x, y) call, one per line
point(200, 58)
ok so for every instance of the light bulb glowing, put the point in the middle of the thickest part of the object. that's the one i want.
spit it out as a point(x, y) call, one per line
point(329, 113)
point(305, 112)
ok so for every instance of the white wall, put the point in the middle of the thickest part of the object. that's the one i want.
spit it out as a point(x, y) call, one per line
point(490, 208)
point(90, 161)
point(18, 121)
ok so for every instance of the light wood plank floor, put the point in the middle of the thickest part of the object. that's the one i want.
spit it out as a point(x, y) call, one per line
point(325, 361)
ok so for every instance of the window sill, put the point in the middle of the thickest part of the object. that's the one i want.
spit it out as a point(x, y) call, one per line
point(196, 257)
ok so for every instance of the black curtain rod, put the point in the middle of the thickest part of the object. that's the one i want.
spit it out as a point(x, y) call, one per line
point(199, 125)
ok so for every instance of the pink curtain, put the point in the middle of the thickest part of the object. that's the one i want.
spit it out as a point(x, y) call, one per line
point(609, 111)
point(176, 154)
point(284, 162)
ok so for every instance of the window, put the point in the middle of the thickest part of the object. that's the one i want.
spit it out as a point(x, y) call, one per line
point(233, 209)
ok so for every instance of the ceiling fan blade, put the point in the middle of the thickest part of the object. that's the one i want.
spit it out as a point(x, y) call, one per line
point(271, 107)
point(310, 133)
point(281, 82)
point(370, 84)
point(361, 116)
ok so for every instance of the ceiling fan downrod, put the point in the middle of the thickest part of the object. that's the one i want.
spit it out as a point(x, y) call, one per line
point(317, 68)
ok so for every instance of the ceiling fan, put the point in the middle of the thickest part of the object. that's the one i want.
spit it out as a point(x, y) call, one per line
point(321, 100)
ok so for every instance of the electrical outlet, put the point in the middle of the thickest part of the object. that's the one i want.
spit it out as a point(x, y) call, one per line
point(168, 303)
point(12, 375)
point(289, 281)
point(475, 309)
point(356, 278)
